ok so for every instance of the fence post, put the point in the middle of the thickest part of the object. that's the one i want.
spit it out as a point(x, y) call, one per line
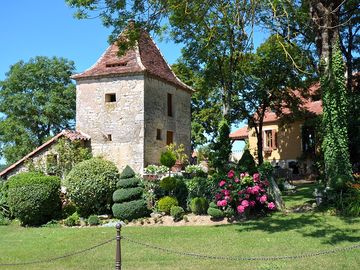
point(118, 247)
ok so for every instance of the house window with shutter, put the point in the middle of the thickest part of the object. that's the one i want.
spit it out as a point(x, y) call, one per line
point(270, 138)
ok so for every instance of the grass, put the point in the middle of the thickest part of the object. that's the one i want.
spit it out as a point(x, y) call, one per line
point(279, 234)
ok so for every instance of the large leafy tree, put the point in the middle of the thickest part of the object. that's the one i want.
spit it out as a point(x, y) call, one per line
point(37, 100)
point(274, 71)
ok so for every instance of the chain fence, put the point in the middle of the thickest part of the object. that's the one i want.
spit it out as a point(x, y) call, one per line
point(59, 257)
point(182, 253)
point(235, 258)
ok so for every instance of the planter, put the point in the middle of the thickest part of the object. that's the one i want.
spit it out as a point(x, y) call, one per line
point(177, 167)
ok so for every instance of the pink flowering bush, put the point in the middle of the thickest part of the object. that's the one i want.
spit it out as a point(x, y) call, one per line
point(244, 194)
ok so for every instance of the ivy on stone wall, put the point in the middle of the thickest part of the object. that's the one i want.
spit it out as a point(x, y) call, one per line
point(335, 111)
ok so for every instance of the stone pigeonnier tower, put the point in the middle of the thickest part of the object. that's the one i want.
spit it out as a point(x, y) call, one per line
point(132, 106)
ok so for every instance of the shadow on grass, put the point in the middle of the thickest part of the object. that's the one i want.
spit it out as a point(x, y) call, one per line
point(331, 229)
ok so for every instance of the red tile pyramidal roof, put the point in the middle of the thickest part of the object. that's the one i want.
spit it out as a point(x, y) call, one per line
point(145, 57)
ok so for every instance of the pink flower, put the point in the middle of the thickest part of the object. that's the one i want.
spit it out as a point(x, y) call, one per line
point(263, 198)
point(247, 196)
point(249, 190)
point(231, 174)
point(271, 206)
point(222, 182)
point(245, 203)
point(226, 192)
point(228, 198)
point(242, 175)
point(237, 180)
point(218, 196)
point(256, 177)
point(266, 183)
point(240, 209)
point(255, 190)
point(221, 203)
point(246, 174)
point(252, 203)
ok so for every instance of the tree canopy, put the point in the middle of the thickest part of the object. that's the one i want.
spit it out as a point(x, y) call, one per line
point(37, 100)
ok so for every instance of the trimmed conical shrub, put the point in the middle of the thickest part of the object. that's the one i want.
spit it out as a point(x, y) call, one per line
point(128, 201)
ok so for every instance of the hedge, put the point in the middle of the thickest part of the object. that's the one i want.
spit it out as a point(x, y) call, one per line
point(34, 198)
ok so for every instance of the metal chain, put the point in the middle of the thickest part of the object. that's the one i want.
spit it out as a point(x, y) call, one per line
point(60, 257)
point(233, 258)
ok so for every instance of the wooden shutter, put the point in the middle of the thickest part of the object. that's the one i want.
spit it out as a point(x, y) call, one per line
point(169, 137)
point(274, 139)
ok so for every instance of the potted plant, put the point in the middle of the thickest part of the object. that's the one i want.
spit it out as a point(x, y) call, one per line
point(181, 157)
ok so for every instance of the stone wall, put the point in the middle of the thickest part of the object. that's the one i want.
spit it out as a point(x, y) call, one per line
point(156, 117)
point(122, 119)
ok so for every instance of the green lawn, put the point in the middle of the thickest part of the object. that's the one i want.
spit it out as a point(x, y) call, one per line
point(279, 234)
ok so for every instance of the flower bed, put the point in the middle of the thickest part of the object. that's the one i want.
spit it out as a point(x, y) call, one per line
point(244, 195)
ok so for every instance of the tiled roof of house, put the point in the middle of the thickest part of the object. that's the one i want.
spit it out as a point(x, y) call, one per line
point(313, 107)
point(70, 134)
point(144, 58)
point(240, 134)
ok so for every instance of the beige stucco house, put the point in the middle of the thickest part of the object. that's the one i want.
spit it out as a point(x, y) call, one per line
point(285, 144)
point(130, 107)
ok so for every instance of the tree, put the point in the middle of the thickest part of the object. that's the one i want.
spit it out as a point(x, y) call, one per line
point(37, 100)
point(324, 21)
point(272, 77)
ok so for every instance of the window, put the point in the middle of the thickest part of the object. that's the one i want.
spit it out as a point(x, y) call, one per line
point(169, 105)
point(109, 137)
point(308, 140)
point(110, 97)
point(158, 134)
point(169, 137)
point(270, 139)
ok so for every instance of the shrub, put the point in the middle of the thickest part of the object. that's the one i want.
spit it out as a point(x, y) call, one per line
point(34, 198)
point(177, 212)
point(181, 192)
point(266, 169)
point(165, 204)
point(215, 213)
point(127, 173)
point(128, 198)
point(168, 183)
point(4, 220)
point(200, 187)
point(90, 185)
point(130, 210)
point(68, 209)
point(73, 220)
point(93, 220)
point(199, 206)
point(124, 195)
point(351, 202)
point(243, 195)
point(168, 158)
point(128, 183)
point(247, 163)
point(4, 206)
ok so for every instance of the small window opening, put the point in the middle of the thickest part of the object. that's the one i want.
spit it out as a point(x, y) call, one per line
point(110, 97)
point(158, 134)
point(109, 137)
point(120, 64)
point(169, 105)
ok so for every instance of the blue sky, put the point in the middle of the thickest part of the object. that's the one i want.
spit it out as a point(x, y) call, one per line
point(30, 28)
